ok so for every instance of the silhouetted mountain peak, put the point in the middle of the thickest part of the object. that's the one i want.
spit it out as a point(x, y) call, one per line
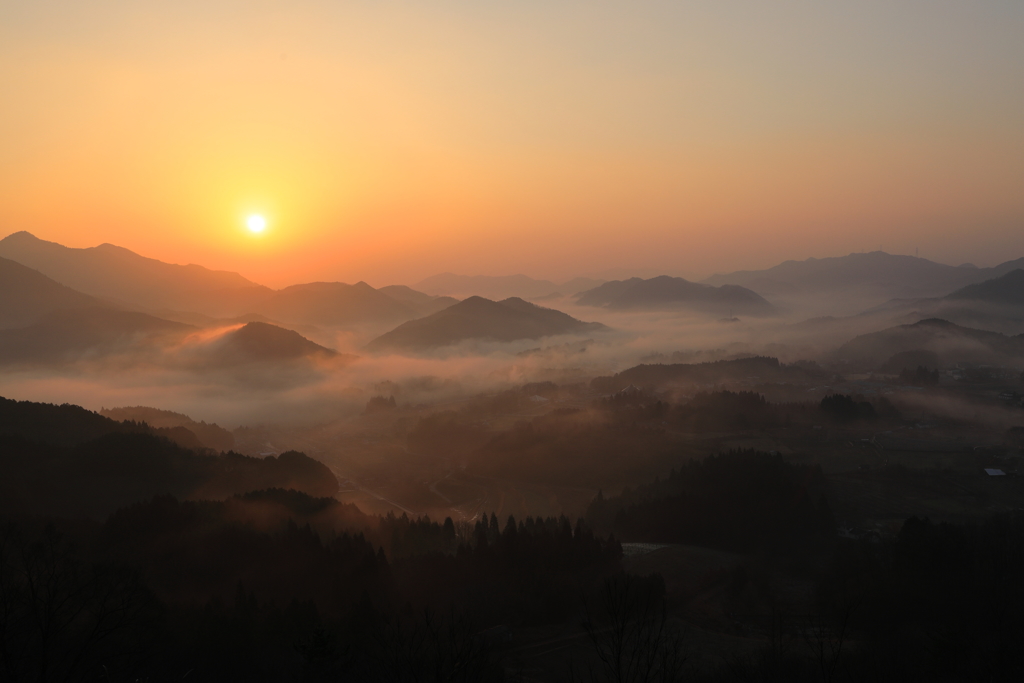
point(263, 341)
point(508, 320)
point(22, 236)
point(935, 322)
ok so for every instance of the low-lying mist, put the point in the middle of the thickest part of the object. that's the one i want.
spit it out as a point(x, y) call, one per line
point(202, 376)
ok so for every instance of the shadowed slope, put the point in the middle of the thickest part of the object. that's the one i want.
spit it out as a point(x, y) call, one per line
point(69, 335)
point(1005, 290)
point(27, 295)
point(262, 342)
point(65, 460)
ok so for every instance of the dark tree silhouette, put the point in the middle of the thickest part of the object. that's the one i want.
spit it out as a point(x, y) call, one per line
point(629, 634)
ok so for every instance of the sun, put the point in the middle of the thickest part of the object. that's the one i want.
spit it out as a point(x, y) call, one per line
point(256, 223)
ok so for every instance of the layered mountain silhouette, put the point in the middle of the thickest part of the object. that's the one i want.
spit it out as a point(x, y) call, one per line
point(45, 323)
point(1007, 290)
point(118, 274)
point(68, 461)
point(26, 295)
point(481, 319)
point(66, 336)
point(947, 342)
point(501, 286)
point(115, 274)
point(996, 304)
point(876, 274)
point(209, 435)
point(333, 303)
point(666, 292)
point(424, 303)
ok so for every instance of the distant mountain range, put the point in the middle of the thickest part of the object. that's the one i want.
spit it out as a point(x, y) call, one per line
point(481, 319)
point(26, 295)
point(43, 323)
point(424, 303)
point(862, 280)
point(996, 304)
point(933, 338)
point(666, 292)
point(117, 275)
point(501, 286)
point(70, 335)
point(1007, 290)
point(333, 304)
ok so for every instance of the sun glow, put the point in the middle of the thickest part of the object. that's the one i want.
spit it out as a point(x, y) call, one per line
point(256, 223)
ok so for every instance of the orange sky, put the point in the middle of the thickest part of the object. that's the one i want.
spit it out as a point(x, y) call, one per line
point(388, 141)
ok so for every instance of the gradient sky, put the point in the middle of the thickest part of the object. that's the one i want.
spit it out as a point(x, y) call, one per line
point(388, 141)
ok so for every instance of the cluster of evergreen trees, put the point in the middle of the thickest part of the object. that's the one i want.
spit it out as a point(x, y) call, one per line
point(940, 602)
point(67, 461)
point(743, 501)
point(236, 589)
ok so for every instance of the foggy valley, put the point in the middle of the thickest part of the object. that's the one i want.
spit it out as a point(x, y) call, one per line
point(511, 342)
point(719, 449)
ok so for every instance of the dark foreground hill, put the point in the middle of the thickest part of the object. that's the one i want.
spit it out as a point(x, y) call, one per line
point(743, 501)
point(209, 435)
point(948, 343)
point(478, 318)
point(664, 292)
point(67, 461)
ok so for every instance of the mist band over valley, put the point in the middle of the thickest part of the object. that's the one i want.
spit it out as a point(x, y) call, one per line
point(483, 342)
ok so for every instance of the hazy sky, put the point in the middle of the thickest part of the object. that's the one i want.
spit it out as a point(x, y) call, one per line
point(388, 141)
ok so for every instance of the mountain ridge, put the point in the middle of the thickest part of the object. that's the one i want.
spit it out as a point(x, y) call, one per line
point(117, 274)
point(512, 319)
point(664, 291)
point(886, 276)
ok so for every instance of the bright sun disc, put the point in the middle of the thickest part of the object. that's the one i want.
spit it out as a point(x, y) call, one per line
point(256, 223)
